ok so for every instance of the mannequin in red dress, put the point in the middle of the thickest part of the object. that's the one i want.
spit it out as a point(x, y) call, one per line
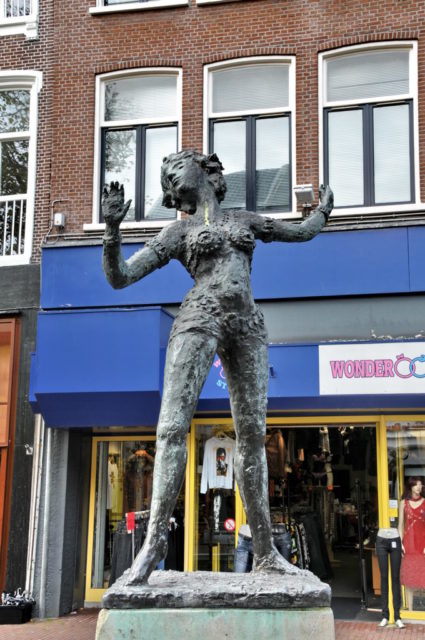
point(411, 526)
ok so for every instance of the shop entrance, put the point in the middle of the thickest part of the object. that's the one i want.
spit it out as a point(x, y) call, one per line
point(323, 487)
point(323, 492)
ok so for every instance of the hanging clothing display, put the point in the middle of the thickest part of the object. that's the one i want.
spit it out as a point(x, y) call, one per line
point(413, 563)
point(275, 452)
point(217, 468)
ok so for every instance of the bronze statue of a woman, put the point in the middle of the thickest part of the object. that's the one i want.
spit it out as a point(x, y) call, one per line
point(218, 315)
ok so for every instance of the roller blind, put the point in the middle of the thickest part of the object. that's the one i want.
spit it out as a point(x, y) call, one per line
point(141, 97)
point(372, 74)
point(250, 87)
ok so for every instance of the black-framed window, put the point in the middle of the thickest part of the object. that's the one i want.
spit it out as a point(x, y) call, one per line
point(250, 106)
point(133, 157)
point(138, 126)
point(369, 154)
point(255, 152)
point(369, 103)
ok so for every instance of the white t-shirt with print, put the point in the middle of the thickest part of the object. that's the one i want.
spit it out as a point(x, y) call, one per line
point(217, 469)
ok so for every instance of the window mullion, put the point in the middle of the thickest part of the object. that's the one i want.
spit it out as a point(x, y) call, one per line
point(102, 170)
point(250, 163)
point(368, 155)
point(139, 210)
point(412, 153)
point(211, 136)
point(326, 146)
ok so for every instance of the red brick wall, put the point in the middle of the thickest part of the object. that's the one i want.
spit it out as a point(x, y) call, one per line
point(19, 53)
point(190, 37)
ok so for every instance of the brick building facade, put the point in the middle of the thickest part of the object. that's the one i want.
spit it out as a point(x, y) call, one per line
point(26, 79)
point(361, 281)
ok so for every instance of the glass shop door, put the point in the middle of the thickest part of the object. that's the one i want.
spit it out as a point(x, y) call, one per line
point(214, 516)
point(406, 483)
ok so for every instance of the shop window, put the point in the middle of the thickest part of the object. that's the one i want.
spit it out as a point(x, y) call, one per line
point(121, 493)
point(138, 126)
point(250, 127)
point(214, 509)
point(406, 481)
point(322, 482)
point(18, 115)
point(369, 112)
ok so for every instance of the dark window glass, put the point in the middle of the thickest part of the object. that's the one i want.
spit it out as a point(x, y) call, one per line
point(369, 154)
point(230, 146)
point(17, 8)
point(272, 179)
point(133, 157)
point(14, 111)
point(14, 167)
point(120, 164)
point(255, 152)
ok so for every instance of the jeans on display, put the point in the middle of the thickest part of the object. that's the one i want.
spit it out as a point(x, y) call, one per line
point(245, 550)
point(389, 547)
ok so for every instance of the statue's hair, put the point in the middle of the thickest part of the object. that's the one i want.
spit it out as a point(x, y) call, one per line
point(210, 164)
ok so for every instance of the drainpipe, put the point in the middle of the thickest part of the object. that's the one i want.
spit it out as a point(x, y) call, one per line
point(43, 570)
point(37, 473)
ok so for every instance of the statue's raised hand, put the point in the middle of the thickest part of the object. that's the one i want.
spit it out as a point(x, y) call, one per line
point(326, 199)
point(113, 208)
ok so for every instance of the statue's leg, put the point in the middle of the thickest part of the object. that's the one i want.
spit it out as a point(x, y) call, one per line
point(245, 363)
point(189, 359)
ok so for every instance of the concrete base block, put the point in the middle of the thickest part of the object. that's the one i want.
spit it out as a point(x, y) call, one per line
point(210, 624)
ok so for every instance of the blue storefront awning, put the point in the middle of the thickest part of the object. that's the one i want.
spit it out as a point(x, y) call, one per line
point(105, 367)
point(99, 368)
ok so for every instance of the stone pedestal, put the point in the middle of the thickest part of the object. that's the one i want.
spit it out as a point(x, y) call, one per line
point(214, 606)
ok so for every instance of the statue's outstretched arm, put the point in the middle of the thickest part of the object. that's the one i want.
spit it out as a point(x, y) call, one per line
point(278, 230)
point(119, 272)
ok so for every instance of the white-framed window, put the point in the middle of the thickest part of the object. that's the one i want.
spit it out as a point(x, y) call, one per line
point(369, 127)
point(19, 16)
point(114, 6)
point(138, 122)
point(250, 124)
point(18, 132)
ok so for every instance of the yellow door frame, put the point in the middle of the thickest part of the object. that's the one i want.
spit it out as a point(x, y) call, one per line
point(389, 513)
point(93, 595)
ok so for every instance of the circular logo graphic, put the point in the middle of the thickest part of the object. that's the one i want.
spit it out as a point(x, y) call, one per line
point(230, 524)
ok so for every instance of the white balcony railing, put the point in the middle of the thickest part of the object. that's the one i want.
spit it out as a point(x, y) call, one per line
point(12, 225)
point(16, 8)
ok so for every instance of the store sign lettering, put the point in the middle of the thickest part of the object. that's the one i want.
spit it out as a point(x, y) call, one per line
point(391, 367)
point(221, 382)
point(402, 367)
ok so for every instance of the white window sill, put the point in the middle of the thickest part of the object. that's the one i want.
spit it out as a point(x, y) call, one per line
point(382, 209)
point(145, 224)
point(9, 261)
point(214, 1)
point(27, 25)
point(134, 6)
point(156, 224)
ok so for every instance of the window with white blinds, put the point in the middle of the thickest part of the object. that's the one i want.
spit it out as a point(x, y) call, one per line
point(139, 122)
point(250, 123)
point(369, 104)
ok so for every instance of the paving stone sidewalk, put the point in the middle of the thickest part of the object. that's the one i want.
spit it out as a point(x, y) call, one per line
point(82, 626)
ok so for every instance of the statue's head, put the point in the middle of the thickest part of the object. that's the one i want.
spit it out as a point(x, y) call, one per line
point(176, 167)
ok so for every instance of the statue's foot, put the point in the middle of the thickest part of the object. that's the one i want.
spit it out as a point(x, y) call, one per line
point(273, 562)
point(145, 562)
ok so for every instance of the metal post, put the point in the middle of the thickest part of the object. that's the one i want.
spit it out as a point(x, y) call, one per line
point(363, 579)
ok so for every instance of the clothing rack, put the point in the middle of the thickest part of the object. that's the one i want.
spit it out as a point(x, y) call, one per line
point(139, 516)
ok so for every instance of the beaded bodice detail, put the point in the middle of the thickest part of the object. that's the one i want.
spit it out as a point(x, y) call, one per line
point(204, 240)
